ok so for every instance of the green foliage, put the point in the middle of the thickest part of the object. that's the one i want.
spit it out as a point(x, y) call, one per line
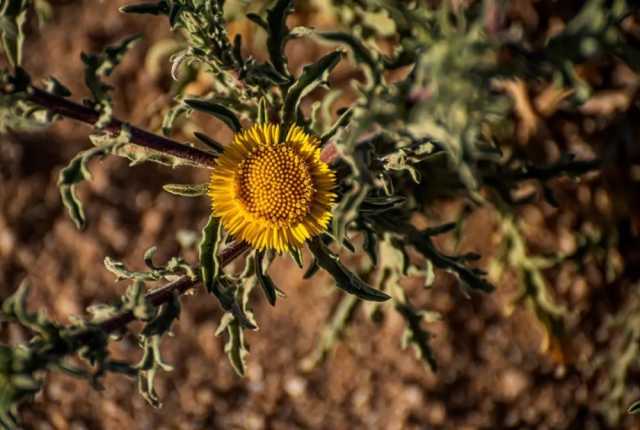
point(101, 65)
point(345, 279)
point(175, 266)
point(13, 15)
point(187, 190)
point(151, 359)
point(78, 171)
point(311, 77)
point(217, 110)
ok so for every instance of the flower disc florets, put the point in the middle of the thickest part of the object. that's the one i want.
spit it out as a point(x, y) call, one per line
point(272, 193)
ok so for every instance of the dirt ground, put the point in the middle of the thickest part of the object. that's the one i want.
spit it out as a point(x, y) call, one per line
point(492, 373)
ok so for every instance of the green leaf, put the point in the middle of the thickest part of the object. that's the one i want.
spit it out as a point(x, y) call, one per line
point(278, 31)
point(76, 172)
point(151, 360)
point(212, 144)
point(264, 280)
point(171, 116)
point(217, 110)
point(13, 16)
point(234, 347)
point(361, 53)
point(162, 322)
point(53, 86)
point(634, 408)
point(100, 65)
point(341, 122)
point(344, 278)
point(208, 248)
point(158, 8)
point(187, 190)
point(312, 75)
point(135, 300)
point(370, 245)
point(211, 271)
point(257, 19)
point(263, 111)
point(415, 335)
point(296, 256)
point(312, 269)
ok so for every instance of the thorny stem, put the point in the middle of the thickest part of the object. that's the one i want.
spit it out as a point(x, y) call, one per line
point(70, 109)
point(179, 286)
point(156, 297)
point(140, 137)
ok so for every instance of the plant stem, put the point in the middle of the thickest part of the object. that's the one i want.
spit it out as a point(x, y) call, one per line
point(163, 294)
point(70, 109)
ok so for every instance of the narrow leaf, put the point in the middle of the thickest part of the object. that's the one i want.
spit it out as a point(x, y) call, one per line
point(277, 29)
point(264, 280)
point(158, 8)
point(208, 248)
point(344, 278)
point(310, 78)
point(217, 110)
point(187, 190)
point(76, 172)
point(214, 145)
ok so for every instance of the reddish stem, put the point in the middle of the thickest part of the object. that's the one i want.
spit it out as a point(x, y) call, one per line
point(73, 110)
point(165, 293)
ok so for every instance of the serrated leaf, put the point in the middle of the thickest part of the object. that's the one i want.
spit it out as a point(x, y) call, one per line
point(345, 279)
point(97, 66)
point(415, 335)
point(171, 116)
point(235, 347)
point(161, 323)
point(148, 257)
point(211, 274)
point(12, 20)
point(342, 121)
point(361, 53)
point(208, 249)
point(277, 33)
point(77, 171)
point(263, 111)
point(312, 75)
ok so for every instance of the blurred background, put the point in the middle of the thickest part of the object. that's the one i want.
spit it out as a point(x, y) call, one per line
point(497, 367)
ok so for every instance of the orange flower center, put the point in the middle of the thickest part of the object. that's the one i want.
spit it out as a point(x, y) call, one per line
point(276, 185)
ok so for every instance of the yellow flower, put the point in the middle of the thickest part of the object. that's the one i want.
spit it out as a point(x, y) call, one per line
point(271, 194)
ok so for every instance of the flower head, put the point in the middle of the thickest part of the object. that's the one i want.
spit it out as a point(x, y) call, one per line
point(270, 193)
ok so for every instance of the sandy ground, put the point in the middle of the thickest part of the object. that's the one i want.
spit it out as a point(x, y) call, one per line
point(492, 371)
